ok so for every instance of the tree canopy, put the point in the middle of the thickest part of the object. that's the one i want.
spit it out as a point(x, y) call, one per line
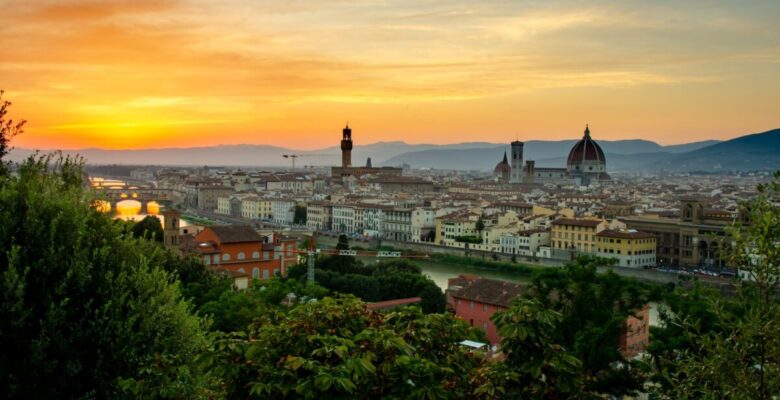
point(711, 346)
point(88, 310)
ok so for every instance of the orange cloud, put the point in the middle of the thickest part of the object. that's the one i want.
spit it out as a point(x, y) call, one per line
point(148, 73)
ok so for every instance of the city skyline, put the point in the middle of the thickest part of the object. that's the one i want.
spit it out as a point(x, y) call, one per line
point(157, 74)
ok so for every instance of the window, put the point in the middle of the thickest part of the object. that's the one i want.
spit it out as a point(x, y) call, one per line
point(240, 255)
point(265, 274)
point(484, 307)
point(255, 273)
point(255, 255)
point(471, 304)
point(226, 257)
point(241, 270)
point(266, 255)
point(216, 258)
point(207, 260)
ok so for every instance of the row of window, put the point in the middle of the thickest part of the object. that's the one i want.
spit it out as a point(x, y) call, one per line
point(577, 228)
point(636, 241)
point(256, 273)
point(240, 256)
point(565, 235)
point(485, 307)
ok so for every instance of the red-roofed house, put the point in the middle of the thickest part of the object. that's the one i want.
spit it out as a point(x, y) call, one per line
point(240, 248)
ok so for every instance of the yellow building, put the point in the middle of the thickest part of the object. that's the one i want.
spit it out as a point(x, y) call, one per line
point(575, 235)
point(450, 226)
point(631, 248)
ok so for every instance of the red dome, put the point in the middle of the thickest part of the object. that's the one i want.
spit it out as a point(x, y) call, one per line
point(586, 150)
point(502, 167)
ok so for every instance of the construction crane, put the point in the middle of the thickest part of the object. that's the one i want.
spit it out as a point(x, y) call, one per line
point(292, 157)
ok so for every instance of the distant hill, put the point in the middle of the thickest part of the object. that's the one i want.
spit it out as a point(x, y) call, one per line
point(248, 154)
point(751, 152)
point(545, 153)
point(256, 155)
point(756, 151)
point(615, 162)
point(686, 147)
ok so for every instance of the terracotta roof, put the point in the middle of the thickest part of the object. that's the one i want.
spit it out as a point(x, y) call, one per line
point(625, 234)
point(461, 280)
point(578, 222)
point(490, 291)
point(530, 232)
point(235, 233)
point(515, 204)
point(585, 150)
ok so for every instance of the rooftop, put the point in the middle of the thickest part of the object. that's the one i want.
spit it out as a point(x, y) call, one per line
point(235, 233)
point(592, 223)
point(629, 234)
point(489, 291)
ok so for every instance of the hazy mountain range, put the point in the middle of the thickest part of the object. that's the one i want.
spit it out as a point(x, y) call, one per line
point(751, 152)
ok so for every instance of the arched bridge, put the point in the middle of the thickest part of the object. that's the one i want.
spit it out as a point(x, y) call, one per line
point(141, 195)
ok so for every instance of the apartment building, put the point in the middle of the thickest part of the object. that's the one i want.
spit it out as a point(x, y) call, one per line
point(630, 247)
point(576, 236)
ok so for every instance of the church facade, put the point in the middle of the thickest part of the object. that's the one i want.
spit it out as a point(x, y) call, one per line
point(585, 165)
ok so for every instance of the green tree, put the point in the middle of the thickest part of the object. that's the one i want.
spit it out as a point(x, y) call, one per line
point(594, 308)
point(149, 227)
point(300, 215)
point(8, 129)
point(536, 365)
point(88, 311)
point(732, 350)
point(343, 243)
point(387, 280)
point(234, 310)
point(480, 225)
point(337, 349)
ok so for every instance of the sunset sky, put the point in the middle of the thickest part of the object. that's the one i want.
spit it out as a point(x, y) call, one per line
point(157, 73)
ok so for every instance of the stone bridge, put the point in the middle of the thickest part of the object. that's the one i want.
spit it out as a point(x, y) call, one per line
point(141, 195)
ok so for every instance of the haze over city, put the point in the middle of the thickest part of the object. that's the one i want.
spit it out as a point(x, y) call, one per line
point(151, 74)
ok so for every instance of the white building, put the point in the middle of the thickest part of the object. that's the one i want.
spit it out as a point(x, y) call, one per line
point(423, 224)
point(398, 224)
point(283, 211)
point(525, 243)
point(343, 218)
point(319, 215)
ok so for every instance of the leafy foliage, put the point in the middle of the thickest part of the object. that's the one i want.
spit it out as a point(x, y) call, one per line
point(730, 348)
point(375, 282)
point(149, 227)
point(536, 365)
point(594, 307)
point(468, 239)
point(300, 215)
point(336, 348)
point(233, 310)
point(8, 129)
point(88, 311)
